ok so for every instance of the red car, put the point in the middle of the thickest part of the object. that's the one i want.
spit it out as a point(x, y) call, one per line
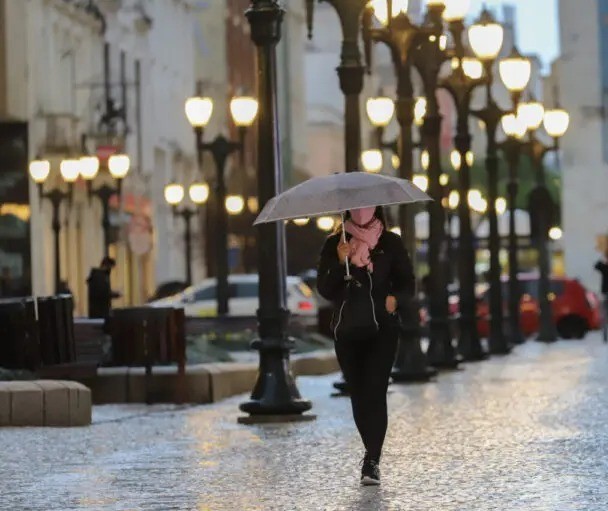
point(575, 310)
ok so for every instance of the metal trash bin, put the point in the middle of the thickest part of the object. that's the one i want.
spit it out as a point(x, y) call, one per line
point(19, 340)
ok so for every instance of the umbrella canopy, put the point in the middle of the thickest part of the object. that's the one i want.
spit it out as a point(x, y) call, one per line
point(336, 193)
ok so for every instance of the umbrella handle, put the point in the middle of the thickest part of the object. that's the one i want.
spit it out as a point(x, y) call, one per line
point(344, 240)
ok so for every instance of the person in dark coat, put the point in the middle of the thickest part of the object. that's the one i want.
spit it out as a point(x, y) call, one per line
point(365, 321)
point(6, 284)
point(602, 267)
point(100, 289)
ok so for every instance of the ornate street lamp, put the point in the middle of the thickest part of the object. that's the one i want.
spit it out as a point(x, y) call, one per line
point(174, 195)
point(275, 396)
point(515, 72)
point(401, 36)
point(486, 38)
point(466, 76)
point(541, 206)
point(40, 171)
point(350, 70)
point(199, 111)
point(118, 166)
point(428, 58)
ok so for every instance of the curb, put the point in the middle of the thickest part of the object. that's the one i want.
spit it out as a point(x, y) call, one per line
point(50, 403)
point(201, 383)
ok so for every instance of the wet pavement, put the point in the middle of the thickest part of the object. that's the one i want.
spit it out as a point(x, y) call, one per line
point(527, 432)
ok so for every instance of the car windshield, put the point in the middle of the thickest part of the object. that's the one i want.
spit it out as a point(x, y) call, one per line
point(201, 295)
point(244, 290)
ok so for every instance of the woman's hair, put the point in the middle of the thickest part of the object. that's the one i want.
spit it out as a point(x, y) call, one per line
point(378, 213)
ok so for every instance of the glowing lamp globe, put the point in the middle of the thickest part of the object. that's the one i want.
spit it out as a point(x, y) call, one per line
point(199, 193)
point(39, 170)
point(380, 111)
point(89, 167)
point(515, 71)
point(174, 194)
point(556, 122)
point(244, 110)
point(198, 111)
point(486, 37)
point(70, 170)
point(119, 165)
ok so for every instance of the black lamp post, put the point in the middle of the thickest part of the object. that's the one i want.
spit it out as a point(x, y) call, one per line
point(198, 111)
point(466, 76)
point(118, 166)
point(428, 58)
point(39, 172)
point(542, 208)
point(400, 36)
point(486, 37)
point(515, 72)
point(275, 396)
point(350, 72)
point(174, 195)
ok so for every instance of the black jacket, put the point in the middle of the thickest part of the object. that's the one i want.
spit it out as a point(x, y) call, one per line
point(602, 267)
point(361, 303)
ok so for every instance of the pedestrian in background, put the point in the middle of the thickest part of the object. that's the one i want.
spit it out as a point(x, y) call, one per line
point(100, 289)
point(365, 322)
point(602, 267)
point(6, 283)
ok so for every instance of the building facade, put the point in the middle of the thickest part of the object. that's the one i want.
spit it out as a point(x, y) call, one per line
point(583, 81)
point(92, 78)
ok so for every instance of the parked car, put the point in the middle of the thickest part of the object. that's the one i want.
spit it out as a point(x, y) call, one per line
point(168, 289)
point(575, 309)
point(200, 300)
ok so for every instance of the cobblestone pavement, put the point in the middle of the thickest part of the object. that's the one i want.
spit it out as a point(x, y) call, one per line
point(527, 432)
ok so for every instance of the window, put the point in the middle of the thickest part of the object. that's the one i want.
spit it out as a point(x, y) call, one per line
point(244, 290)
point(207, 293)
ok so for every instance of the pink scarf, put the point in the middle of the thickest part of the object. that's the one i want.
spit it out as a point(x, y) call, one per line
point(365, 231)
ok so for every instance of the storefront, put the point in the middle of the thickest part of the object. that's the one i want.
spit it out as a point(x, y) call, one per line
point(15, 253)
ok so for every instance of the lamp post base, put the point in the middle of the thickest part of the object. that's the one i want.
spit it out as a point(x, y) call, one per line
point(499, 347)
point(424, 375)
point(274, 419)
point(411, 363)
point(469, 344)
point(441, 352)
point(474, 356)
point(547, 336)
point(275, 393)
point(516, 336)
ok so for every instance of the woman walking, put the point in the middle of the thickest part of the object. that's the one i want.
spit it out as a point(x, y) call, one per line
point(366, 272)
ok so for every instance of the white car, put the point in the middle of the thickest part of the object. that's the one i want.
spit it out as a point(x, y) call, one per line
point(200, 300)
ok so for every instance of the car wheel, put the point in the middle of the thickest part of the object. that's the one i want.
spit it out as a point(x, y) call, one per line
point(572, 327)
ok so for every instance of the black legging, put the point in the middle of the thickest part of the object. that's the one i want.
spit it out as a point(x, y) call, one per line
point(366, 365)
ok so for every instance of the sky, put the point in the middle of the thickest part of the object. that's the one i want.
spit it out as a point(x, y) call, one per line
point(537, 25)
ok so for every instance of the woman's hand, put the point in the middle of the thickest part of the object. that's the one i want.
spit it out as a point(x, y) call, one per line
point(391, 304)
point(343, 251)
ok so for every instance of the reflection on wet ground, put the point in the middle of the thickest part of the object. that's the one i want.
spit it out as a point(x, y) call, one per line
point(525, 432)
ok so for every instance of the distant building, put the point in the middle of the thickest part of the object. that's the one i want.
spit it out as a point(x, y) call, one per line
point(52, 102)
point(226, 67)
point(582, 73)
